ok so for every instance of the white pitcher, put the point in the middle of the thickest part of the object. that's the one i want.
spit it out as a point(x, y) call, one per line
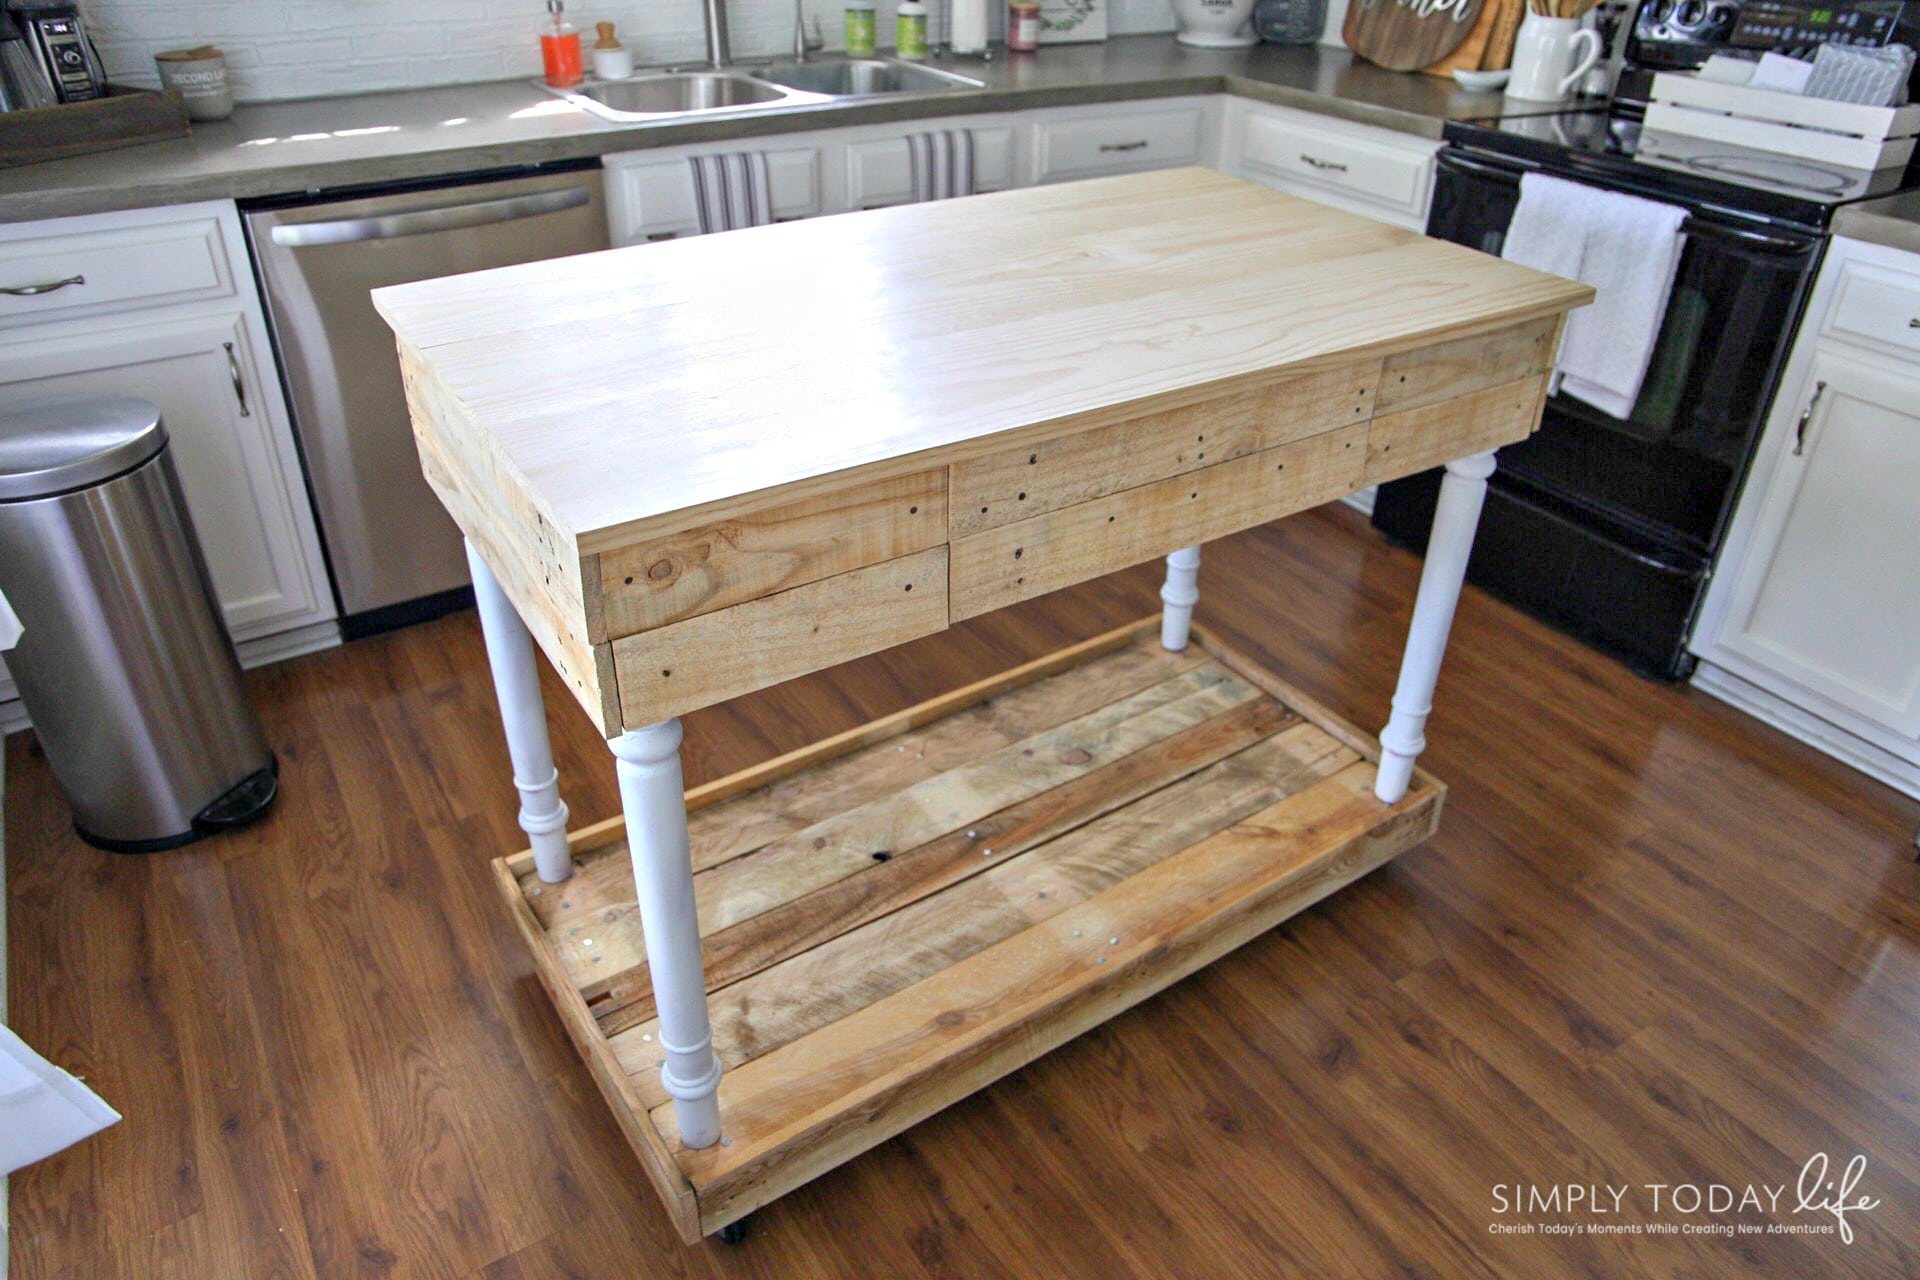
point(1545, 64)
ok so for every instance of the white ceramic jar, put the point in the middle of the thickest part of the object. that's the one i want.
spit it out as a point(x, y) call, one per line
point(1215, 24)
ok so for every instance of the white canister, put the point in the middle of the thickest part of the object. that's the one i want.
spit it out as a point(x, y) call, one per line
point(1547, 58)
point(611, 59)
point(199, 76)
point(1215, 24)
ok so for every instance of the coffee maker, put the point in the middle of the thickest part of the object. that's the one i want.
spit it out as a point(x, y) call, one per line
point(57, 37)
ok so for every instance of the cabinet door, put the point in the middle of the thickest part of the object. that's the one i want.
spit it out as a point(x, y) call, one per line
point(1828, 590)
point(230, 444)
point(653, 199)
point(880, 169)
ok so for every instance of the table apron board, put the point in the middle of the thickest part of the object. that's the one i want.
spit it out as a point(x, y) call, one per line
point(672, 621)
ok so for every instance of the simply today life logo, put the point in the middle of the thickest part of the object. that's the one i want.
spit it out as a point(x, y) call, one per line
point(1824, 1193)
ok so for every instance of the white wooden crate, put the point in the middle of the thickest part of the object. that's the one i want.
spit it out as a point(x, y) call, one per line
point(1843, 133)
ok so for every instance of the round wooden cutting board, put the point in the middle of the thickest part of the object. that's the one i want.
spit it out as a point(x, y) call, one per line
point(1402, 35)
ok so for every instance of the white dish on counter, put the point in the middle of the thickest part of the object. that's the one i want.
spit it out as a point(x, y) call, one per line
point(1481, 81)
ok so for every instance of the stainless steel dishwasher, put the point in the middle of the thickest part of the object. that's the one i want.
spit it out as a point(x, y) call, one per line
point(394, 555)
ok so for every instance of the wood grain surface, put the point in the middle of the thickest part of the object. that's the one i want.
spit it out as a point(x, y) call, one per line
point(1406, 35)
point(646, 386)
point(1653, 940)
point(651, 437)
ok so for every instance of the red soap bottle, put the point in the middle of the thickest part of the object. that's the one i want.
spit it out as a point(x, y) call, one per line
point(560, 50)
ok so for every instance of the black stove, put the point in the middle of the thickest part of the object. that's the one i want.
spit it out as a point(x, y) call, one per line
point(1609, 527)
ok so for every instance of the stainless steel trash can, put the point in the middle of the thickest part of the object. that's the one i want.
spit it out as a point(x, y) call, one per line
point(123, 663)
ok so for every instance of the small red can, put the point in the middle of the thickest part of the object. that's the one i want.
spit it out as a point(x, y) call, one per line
point(1023, 26)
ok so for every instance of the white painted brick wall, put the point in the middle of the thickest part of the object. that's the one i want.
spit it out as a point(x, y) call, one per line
point(308, 48)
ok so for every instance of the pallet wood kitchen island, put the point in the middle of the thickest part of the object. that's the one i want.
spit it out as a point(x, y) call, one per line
point(691, 470)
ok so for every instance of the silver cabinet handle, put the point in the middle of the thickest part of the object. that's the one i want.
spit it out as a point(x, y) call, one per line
point(1137, 145)
point(1806, 416)
point(239, 387)
point(451, 217)
point(1330, 166)
point(35, 290)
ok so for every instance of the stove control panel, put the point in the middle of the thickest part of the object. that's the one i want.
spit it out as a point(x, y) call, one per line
point(1683, 33)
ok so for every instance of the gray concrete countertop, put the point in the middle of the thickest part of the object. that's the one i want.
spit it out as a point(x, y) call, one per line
point(1893, 221)
point(282, 148)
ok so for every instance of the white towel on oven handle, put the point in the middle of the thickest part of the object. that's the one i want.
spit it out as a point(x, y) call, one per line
point(1628, 249)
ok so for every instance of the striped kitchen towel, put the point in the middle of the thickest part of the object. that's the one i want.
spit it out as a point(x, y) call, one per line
point(942, 163)
point(732, 191)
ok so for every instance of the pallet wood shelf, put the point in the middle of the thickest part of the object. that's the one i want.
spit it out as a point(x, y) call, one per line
point(898, 916)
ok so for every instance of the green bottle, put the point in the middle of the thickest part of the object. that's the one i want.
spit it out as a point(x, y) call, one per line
point(860, 28)
point(910, 30)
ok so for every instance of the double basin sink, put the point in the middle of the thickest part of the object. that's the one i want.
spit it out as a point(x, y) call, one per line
point(677, 93)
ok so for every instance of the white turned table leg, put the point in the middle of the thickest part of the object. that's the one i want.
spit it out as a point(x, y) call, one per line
point(516, 681)
point(1462, 491)
point(1180, 592)
point(654, 800)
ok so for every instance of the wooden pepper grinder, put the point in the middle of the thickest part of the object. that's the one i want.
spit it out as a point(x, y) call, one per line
point(611, 59)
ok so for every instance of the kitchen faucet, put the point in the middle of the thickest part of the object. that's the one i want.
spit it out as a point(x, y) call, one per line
point(719, 48)
point(718, 52)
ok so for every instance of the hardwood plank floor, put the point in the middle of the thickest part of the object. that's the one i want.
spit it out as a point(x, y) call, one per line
point(1654, 942)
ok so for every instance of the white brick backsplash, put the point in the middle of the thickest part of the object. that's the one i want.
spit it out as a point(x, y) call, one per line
point(309, 48)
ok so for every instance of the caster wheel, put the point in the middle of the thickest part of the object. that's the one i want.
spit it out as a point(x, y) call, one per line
point(732, 1233)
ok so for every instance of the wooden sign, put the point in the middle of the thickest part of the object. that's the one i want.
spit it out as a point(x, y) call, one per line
point(1404, 35)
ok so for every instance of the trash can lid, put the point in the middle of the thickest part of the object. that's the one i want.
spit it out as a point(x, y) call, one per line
point(70, 442)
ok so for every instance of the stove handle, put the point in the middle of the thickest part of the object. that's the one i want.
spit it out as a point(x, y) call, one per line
point(1499, 173)
point(1693, 226)
point(1740, 235)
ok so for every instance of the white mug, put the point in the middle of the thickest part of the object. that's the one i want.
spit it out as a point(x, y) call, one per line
point(1545, 68)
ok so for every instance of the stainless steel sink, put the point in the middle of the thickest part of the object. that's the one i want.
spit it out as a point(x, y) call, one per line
point(766, 86)
point(862, 77)
point(675, 93)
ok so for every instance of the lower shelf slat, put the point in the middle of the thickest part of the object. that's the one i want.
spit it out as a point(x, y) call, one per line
point(1134, 816)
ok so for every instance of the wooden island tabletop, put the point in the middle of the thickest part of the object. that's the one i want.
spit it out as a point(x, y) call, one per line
point(703, 466)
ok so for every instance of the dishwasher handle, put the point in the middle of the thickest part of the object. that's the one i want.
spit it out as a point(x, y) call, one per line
point(452, 217)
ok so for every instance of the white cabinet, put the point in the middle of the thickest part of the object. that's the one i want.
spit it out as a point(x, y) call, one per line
point(1356, 167)
point(878, 161)
point(1070, 143)
point(650, 194)
point(1813, 618)
point(176, 321)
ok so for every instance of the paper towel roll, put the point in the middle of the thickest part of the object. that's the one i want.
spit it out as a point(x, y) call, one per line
point(969, 20)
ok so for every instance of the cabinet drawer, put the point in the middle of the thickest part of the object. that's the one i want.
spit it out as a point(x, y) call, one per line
point(90, 272)
point(1877, 306)
point(1086, 148)
point(880, 170)
point(1301, 152)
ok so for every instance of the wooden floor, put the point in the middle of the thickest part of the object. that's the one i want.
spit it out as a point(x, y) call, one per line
point(1653, 942)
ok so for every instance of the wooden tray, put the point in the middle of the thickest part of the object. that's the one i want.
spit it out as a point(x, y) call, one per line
point(123, 118)
point(1792, 124)
point(900, 915)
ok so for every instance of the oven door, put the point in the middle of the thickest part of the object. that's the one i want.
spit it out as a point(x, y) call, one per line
point(1670, 471)
point(1604, 526)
